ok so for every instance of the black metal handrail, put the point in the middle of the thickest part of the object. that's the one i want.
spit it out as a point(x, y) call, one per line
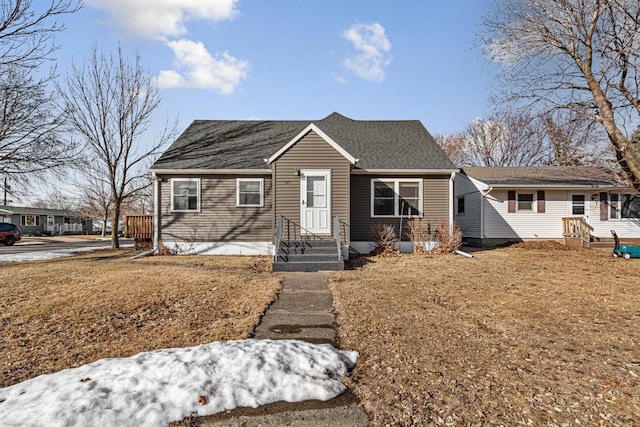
point(294, 231)
point(288, 230)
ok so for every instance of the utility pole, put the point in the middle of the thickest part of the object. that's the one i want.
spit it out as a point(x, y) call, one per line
point(6, 191)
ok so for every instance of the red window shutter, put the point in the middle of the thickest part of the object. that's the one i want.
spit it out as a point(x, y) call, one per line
point(604, 207)
point(511, 204)
point(541, 202)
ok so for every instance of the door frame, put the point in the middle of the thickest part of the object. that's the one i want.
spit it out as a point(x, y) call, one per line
point(303, 195)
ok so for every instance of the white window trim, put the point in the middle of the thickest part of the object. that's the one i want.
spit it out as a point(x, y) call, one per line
point(238, 181)
point(534, 202)
point(23, 220)
point(396, 191)
point(197, 180)
point(586, 204)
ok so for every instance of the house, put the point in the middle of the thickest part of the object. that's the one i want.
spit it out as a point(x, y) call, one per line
point(39, 221)
point(247, 187)
point(494, 205)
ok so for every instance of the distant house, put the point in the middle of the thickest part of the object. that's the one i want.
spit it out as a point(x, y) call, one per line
point(243, 187)
point(39, 221)
point(494, 205)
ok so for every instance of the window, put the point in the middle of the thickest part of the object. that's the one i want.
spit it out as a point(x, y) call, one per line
point(392, 197)
point(185, 195)
point(613, 204)
point(525, 202)
point(577, 204)
point(249, 191)
point(316, 192)
point(624, 205)
point(461, 205)
point(30, 220)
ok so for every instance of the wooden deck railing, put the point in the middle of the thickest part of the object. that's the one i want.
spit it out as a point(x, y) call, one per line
point(138, 226)
point(577, 226)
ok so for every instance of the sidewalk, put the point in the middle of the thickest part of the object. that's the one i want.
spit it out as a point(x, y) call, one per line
point(303, 311)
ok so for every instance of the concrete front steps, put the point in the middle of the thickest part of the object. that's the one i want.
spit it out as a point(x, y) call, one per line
point(308, 255)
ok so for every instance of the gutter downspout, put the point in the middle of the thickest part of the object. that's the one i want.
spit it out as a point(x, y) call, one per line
point(451, 202)
point(156, 212)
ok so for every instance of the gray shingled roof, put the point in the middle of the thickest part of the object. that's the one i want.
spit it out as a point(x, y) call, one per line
point(244, 144)
point(23, 210)
point(585, 176)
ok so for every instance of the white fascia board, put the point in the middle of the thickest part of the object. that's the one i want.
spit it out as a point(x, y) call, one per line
point(557, 187)
point(404, 171)
point(480, 185)
point(211, 171)
point(322, 135)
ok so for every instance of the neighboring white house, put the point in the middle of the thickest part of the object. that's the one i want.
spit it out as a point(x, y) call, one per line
point(494, 205)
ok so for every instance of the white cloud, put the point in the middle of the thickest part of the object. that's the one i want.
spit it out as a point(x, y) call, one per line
point(164, 18)
point(195, 67)
point(372, 51)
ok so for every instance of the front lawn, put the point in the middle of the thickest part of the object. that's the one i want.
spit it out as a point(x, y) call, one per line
point(510, 337)
point(66, 312)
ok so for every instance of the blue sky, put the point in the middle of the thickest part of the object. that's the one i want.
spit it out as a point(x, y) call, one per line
point(293, 59)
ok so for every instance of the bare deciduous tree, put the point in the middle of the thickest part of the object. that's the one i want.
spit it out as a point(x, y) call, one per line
point(503, 139)
point(27, 33)
point(94, 191)
point(30, 140)
point(572, 141)
point(110, 104)
point(57, 200)
point(578, 55)
point(30, 137)
point(454, 147)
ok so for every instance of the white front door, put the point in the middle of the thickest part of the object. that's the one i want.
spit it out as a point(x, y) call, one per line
point(579, 205)
point(315, 201)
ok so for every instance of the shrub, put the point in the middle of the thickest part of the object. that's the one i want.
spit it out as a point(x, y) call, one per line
point(384, 235)
point(447, 241)
point(418, 232)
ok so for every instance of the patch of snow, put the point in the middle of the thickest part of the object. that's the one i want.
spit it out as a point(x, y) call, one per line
point(55, 253)
point(157, 387)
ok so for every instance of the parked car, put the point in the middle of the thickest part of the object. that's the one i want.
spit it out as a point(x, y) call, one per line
point(9, 233)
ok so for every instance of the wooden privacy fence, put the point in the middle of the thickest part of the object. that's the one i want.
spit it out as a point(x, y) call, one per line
point(138, 226)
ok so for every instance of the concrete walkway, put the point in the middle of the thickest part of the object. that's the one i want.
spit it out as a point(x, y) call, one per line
point(304, 311)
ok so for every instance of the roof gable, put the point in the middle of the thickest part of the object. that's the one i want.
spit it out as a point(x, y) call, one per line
point(321, 134)
point(244, 145)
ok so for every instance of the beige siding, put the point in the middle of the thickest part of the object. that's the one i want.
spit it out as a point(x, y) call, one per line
point(219, 219)
point(436, 203)
point(311, 152)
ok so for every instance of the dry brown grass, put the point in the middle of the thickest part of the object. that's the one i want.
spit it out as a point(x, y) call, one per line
point(510, 337)
point(70, 311)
